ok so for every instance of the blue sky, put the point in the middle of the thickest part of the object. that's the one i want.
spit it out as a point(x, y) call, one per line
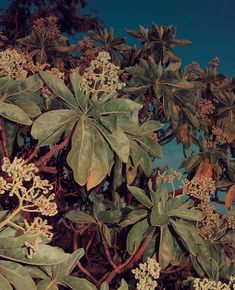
point(209, 24)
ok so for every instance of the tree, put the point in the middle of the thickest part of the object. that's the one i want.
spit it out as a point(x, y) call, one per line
point(79, 134)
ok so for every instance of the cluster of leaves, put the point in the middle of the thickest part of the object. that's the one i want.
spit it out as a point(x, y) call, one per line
point(17, 19)
point(98, 153)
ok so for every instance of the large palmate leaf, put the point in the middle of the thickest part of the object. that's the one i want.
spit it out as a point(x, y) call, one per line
point(101, 130)
point(169, 86)
point(158, 42)
point(108, 42)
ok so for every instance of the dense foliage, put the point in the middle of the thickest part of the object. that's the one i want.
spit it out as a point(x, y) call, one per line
point(82, 205)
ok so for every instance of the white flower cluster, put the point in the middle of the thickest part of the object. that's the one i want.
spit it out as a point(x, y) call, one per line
point(101, 77)
point(205, 284)
point(13, 64)
point(200, 188)
point(39, 225)
point(28, 187)
point(147, 274)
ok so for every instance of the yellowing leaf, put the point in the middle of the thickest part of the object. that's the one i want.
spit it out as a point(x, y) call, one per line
point(205, 169)
point(230, 197)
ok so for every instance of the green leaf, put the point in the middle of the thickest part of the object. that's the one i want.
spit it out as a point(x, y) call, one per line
point(4, 284)
point(137, 233)
point(186, 211)
point(80, 155)
point(146, 163)
point(79, 283)
point(191, 162)
point(107, 234)
point(11, 132)
point(119, 106)
point(47, 285)
point(209, 266)
point(110, 216)
point(64, 269)
point(135, 152)
point(81, 98)
point(185, 232)
point(117, 172)
point(17, 275)
point(197, 266)
point(100, 160)
point(46, 255)
point(35, 272)
point(150, 146)
point(104, 286)
point(119, 143)
point(80, 217)
point(192, 118)
point(158, 215)
point(59, 88)
point(28, 106)
point(48, 127)
point(123, 286)
point(133, 217)
point(191, 214)
point(140, 195)
point(150, 126)
point(166, 247)
point(14, 113)
point(24, 87)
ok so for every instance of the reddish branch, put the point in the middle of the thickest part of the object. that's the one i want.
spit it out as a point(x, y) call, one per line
point(32, 154)
point(175, 270)
point(45, 158)
point(3, 139)
point(167, 139)
point(79, 265)
point(106, 249)
point(130, 262)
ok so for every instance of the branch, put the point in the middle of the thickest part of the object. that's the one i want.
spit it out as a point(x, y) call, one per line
point(167, 139)
point(130, 262)
point(106, 249)
point(3, 139)
point(32, 154)
point(45, 158)
point(79, 265)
